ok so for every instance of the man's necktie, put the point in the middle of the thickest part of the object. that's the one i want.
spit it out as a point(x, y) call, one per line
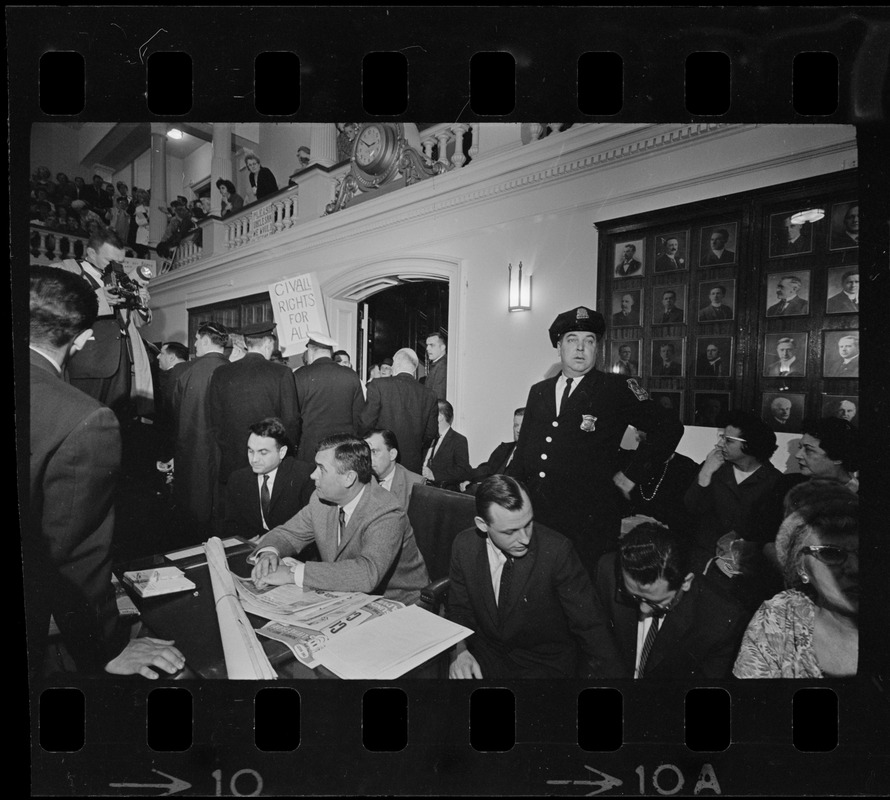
point(342, 519)
point(431, 451)
point(506, 580)
point(647, 645)
point(265, 498)
point(565, 394)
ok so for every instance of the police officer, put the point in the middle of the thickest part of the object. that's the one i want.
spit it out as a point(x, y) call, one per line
point(568, 448)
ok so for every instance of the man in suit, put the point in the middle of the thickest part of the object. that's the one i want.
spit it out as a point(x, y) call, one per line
point(447, 461)
point(390, 475)
point(849, 235)
point(329, 399)
point(654, 618)
point(75, 455)
point(670, 315)
point(628, 314)
point(363, 535)
point(196, 452)
point(717, 253)
point(710, 363)
point(96, 196)
point(569, 443)
point(665, 366)
point(271, 489)
point(173, 360)
point(522, 591)
point(846, 410)
point(629, 264)
point(846, 365)
point(624, 365)
point(670, 259)
point(404, 406)
point(716, 310)
point(437, 373)
point(787, 365)
point(500, 457)
point(847, 300)
point(781, 416)
point(793, 241)
point(790, 303)
point(249, 389)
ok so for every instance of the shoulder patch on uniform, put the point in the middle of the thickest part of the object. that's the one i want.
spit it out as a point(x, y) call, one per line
point(638, 390)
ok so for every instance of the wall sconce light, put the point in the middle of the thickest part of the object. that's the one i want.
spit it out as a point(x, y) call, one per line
point(519, 289)
point(174, 133)
point(809, 215)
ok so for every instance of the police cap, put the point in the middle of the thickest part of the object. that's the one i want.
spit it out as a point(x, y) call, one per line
point(577, 319)
point(266, 328)
point(317, 339)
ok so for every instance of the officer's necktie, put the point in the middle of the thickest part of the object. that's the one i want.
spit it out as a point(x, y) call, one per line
point(265, 499)
point(506, 579)
point(647, 645)
point(342, 518)
point(565, 394)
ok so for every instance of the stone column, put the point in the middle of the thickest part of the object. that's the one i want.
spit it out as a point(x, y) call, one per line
point(220, 162)
point(323, 143)
point(157, 222)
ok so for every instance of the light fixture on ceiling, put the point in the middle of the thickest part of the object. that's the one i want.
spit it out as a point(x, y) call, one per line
point(808, 215)
point(175, 133)
point(519, 289)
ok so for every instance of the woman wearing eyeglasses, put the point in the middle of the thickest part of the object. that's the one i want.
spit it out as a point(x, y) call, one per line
point(811, 629)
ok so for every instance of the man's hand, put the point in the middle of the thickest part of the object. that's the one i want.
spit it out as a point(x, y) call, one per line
point(141, 654)
point(428, 474)
point(464, 665)
point(712, 463)
point(279, 577)
point(624, 483)
point(112, 297)
point(266, 562)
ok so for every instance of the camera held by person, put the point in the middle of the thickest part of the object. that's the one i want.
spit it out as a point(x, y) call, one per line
point(130, 290)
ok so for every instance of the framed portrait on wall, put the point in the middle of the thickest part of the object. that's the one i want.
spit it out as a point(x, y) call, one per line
point(669, 305)
point(716, 300)
point(788, 294)
point(624, 357)
point(783, 412)
point(627, 308)
point(785, 355)
point(840, 354)
point(842, 406)
point(842, 295)
point(844, 232)
point(668, 358)
point(713, 356)
point(710, 408)
point(671, 401)
point(671, 251)
point(629, 258)
point(787, 238)
point(718, 245)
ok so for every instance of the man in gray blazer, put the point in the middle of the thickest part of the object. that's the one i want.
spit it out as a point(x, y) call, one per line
point(363, 535)
point(391, 476)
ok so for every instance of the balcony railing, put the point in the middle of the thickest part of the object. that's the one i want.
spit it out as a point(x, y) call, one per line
point(48, 246)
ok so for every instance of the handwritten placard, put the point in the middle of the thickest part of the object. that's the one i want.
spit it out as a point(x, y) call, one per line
point(262, 221)
point(130, 264)
point(298, 308)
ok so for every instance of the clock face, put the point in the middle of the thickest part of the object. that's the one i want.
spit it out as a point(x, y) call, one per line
point(369, 145)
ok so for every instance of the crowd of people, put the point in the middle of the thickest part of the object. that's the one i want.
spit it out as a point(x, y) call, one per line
point(586, 559)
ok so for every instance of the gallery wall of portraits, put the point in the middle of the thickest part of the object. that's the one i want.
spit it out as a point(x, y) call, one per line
point(746, 301)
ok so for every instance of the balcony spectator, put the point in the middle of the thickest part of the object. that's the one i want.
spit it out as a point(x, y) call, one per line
point(177, 228)
point(80, 189)
point(262, 181)
point(64, 188)
point(42, 179)
point(231, 200)
point(95, 194)
point(118, 219)
point(302, 163)
point(140, 217)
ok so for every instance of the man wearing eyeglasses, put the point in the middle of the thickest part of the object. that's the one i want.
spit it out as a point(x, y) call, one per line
point(654, 618)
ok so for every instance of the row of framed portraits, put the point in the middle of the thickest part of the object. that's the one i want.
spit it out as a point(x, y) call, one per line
point(787, 295)
point(784, 356)
point(717, 245)
point(781, 411)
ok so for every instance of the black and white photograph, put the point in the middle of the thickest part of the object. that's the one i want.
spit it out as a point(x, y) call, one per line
point(624, 357)
point(627, 308)
point(788, 294)
point(840, 354)
point(671, 401)
point(718, 245)
point(671, 251)
point(842, 406)
point(710, 408)
point(788, 237)
point(842, 295)
point(785, 355)
point(669, 305)
point(668, 358)
point(713, 356)
point(630, 259)
point(844, 231)
point(716, 300)
point(783, 412)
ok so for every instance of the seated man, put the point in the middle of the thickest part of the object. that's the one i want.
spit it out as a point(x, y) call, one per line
point(447, 461)
point(364, 538)
point(391, 476)
point(522, 589)
point(500, 457)
point(269, 491)
point(655, 619)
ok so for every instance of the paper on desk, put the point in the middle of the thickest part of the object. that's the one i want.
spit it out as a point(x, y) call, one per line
point(385, 648)
point(245, 657)
point(176, 555)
